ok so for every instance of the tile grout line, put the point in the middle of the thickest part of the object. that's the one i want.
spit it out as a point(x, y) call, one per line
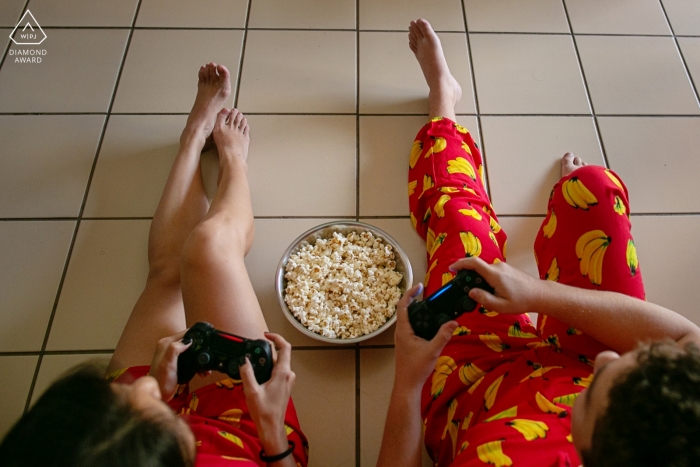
point(358, 421)
point(292, 114)
point(680, 53)
point(9, 44)
point(82, 209)
point(601, 143)
point(239, 74)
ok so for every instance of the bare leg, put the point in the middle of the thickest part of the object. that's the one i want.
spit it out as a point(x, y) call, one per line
point(445, 92)
point(159, 311)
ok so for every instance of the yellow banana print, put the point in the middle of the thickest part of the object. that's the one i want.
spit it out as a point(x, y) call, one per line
point(546, 406)
point(429, 240)
point(471, 243)
point(584, 382)
point(493, 342)
point(466, 148)
point(495, 228)
point(577, 195)
point(491, 392)
point(427, 215)
point(461, 165)
point(436, 119)
point(427, 274)
point(412, 187)
point(440, 205)
point(447, 277)
point(475, 385)
point(427, 184)
point(448, 189)
point(443, 368)
point(539, 372)
point(470, 374)
point(493, 239)
point(451, 409)
point(461, 331)
point(232, 416)
point(468, 190)
point(194, 402)
point(567, 399)
point(632, 260)
point(590, 249)
point(573, 331)
point(508, 413)
point(467, 421)
point(463, 447)
point(439, 144)
point(553, 272)
point(543, 321)
point(234, 439)
point(619, 206)
point(550, 226)
point(414, 222)
point(481, 174)
point(515, 331)
point(461, 129)
point(492, 454)
point(486, 312)
point(415, 153)
point(530, 429)
point(471, 212)
point(505, 244)
point(288, 429)
point(614, 179)
point(570, 438)
point(438, 241)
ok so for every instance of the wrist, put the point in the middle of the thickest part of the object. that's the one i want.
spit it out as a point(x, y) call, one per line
point(407, 393)
point(273, 437)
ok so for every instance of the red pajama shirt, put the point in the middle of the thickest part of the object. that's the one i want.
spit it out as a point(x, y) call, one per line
point(502, 390)
point(217, 414)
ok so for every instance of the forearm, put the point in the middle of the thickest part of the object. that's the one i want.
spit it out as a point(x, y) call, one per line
point(403, 437)
point(616, 320)
point(274, 441)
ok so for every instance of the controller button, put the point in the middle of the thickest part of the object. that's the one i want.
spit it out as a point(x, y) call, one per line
point(262, 360)
point(478, 280)
point(258, 350)
point(199, 341)
point(467, 289)
point(204, 358)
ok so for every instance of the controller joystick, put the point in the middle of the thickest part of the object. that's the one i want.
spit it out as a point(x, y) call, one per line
point(216, 350)
point(448, 303)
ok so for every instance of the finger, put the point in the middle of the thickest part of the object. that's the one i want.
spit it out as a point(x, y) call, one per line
point(489, 301)
point(250, 384)
point(484, 269)
point(443, 336)
point(176, 348)
point(407, 299)
point(284, 350)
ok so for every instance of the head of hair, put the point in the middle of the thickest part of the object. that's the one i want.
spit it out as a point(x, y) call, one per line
point(80, 421)
point(653, 412)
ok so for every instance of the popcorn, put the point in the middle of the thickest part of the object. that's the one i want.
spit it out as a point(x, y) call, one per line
point(343, 287)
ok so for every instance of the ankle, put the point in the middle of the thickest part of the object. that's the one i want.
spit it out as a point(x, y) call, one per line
point(193, 134)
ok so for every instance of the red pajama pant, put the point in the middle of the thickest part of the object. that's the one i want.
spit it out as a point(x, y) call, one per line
point(502, 390)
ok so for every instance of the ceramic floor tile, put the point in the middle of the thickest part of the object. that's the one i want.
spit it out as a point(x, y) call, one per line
point(33, 255)
point(46, 162)
point(516, 16)
point(272, 237)
point(521, 240)
point(385, 144)
point(106, 275)
point(684, 16)
point(397, 14)
point(135, 159)
point(402, 231)
point(324, 396)
point(618, 17)
point(636, 75)
point(527, 74)
point(691, 52)
point(54, 366)
point(302, 14)
point(62, 82)
point(4, 39)
point(277, 77)
point(376, 381)
point(187, 14)
point(667, 247)
point(666, 180)
point(290, 177)
point(10, 12)
point(160, 73)
point(524, 154)
point(391, 80)
point(96, 13)
point(17, 374)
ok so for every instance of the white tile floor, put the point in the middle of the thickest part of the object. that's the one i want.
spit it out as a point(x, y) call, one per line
point(334, 99)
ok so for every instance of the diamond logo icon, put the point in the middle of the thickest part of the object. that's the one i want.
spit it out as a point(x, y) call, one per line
point(28, 31)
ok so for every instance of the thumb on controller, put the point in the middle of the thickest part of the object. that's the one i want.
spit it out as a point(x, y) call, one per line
point(250, 384)
point(443, 335)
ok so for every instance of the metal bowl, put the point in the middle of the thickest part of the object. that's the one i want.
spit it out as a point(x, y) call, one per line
point(403, 265)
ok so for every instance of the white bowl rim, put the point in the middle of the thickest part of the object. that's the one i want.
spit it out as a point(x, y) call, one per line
point(279, 280)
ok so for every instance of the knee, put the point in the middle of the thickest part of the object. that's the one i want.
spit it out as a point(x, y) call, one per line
point(211, 242)
point(165, 271)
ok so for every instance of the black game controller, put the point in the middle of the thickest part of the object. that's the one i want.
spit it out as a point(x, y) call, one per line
point(220, 351)
point(446, 304)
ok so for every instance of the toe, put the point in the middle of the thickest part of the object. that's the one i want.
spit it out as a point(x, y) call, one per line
point(424, 27)
point(221, 117)
point(577, 161)
point(237, 118)
point(234, 115)
point(246, 130)
point(201, 74)
point(243, 124)
point(223, 73)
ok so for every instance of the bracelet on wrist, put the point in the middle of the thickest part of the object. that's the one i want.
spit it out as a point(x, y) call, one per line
point(278, 457)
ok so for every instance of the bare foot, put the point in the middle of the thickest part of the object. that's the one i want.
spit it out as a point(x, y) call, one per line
point(231, 134)
point(569, 163)
point(426, 45)
point(213, 88)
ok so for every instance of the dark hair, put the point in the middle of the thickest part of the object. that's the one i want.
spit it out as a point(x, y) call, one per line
point(80, 421)
point(653, 413)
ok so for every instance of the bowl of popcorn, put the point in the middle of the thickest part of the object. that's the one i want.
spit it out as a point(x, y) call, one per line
point(340, 282)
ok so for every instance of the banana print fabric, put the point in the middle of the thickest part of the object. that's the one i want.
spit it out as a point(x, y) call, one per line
point(502, 390)
point(219, 418)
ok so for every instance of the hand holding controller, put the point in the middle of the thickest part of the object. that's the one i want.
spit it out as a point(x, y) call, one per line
point(451, 301)
point(220, 351)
